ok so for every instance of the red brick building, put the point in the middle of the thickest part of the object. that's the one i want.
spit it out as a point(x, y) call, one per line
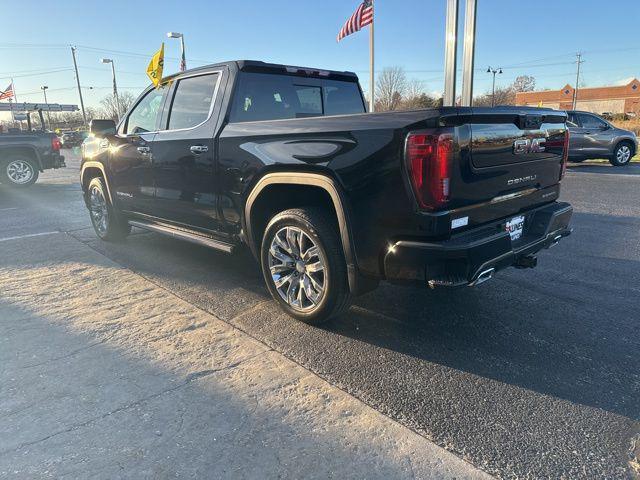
point(620, 99)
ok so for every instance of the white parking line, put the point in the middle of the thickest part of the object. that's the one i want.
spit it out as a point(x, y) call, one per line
point(19, 237)
point(6, 209)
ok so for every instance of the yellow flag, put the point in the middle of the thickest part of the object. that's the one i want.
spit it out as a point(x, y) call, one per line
point(154, 70)
point(540, 103)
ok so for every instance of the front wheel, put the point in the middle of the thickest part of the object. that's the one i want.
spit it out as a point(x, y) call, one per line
point(304, 266)
point(19, 171)
point(621, 155)
point(106, 223)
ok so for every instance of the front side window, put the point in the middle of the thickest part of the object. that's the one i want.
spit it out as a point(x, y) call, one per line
point(192, 101)
point(144, 117)
point(590, 121)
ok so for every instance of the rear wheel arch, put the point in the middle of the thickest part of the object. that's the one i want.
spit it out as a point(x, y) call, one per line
point(280, 191)
point(20, 150)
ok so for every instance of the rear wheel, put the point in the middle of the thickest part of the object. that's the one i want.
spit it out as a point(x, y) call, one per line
point(19, 171)
point(106, 223)
point(622, 154)
point(304, 266)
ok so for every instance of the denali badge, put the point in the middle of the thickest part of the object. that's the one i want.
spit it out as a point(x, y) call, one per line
point(529, 146)
point(519, 180)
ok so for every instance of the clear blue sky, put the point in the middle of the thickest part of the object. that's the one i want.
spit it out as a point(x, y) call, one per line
point(538, 38)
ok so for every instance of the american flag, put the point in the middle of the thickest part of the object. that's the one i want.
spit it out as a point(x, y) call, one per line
point(7, 93)
point(362, 17)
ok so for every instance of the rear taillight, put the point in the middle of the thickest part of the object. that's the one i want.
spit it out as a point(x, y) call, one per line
point(429, 156)
point(55, 143)
point(565, 154)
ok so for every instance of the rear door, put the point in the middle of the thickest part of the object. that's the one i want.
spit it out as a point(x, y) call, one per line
point(184, 157)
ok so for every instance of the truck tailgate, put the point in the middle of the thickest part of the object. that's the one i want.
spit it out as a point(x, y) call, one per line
point(507, 152)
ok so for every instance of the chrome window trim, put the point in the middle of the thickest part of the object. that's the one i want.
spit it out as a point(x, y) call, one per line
point(219, 73)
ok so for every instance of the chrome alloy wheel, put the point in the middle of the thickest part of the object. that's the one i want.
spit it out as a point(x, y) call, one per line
point(298, 268)
point(623, 155)
point(19, 172)
point(98, 210)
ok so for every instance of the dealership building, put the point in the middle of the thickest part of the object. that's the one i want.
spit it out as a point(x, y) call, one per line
point(619, 99)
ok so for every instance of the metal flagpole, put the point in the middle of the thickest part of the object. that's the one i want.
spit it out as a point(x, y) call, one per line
point(15, 97)
point(372, 84)
point(450, 53)
point(468, 53)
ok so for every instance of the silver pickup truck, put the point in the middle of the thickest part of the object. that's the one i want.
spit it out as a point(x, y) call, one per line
point(25, 154)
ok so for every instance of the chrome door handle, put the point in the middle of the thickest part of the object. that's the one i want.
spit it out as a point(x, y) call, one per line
point(144, 150)
point(197, 149)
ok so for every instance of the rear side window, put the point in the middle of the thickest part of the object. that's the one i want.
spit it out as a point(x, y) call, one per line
point(261, 96)
point(590, 121)
point(342, 98)
point(192, 101)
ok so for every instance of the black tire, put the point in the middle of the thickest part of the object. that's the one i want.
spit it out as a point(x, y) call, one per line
point(622, 154)
point(19, 171)
point(108, 225)
point(320, 231)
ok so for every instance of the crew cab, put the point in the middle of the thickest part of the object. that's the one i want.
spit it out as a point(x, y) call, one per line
point(26, 154)
point(329, 198)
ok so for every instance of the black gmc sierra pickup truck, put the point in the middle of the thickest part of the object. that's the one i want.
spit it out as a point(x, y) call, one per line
point(24, 154)
point(330, 199)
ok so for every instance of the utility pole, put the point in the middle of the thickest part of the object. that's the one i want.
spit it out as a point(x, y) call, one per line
point(44, 90)
point(579, 61)
point(75, 65)
point(493, 90)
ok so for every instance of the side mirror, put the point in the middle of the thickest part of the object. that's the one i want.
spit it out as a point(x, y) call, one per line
point(605, 127)
point(102, 128)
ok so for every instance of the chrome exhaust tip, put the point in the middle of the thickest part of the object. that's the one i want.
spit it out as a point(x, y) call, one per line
point(483, 277)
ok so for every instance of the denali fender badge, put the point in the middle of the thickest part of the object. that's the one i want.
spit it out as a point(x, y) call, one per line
point(459, 222)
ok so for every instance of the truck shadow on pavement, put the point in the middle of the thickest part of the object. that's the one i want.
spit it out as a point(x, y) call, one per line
point(559, 330)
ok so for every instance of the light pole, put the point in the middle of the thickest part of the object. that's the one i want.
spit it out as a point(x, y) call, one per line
point(115, 85)
point(183, 59)
point(493, 90)
point(44, 90)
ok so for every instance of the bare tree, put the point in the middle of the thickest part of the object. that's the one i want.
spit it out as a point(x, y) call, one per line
point(504, 96)
point(110, 108)
point(390, 88)
point(524, 83)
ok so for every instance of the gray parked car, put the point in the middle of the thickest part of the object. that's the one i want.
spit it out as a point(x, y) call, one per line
point(592, 136)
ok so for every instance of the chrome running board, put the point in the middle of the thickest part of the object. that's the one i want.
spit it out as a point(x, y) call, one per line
point(184, 235)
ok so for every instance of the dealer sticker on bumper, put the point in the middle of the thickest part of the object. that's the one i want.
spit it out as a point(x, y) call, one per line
point(515, 226)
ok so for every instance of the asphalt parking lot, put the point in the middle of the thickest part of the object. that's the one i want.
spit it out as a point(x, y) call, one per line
point(535, 374)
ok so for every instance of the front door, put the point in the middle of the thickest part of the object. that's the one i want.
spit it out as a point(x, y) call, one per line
point(184, 166)
point(589, 136)
point(131, 153)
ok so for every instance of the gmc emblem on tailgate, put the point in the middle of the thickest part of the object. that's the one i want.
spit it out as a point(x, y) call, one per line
point(523, 146)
